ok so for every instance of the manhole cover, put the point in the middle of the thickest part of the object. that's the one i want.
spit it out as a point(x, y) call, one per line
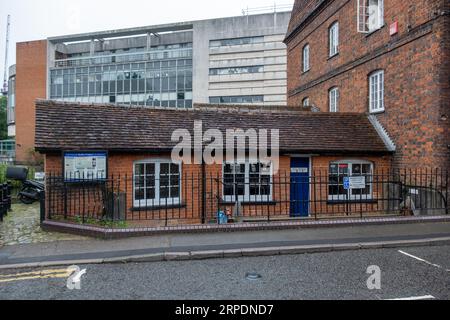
point(253, 276)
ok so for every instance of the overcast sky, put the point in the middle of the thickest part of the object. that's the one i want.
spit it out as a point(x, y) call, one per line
point(39, 19)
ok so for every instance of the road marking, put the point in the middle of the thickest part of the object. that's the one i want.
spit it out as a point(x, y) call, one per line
point(54, 276)
point(422, 260)
point(429, 297)
point(43, 274)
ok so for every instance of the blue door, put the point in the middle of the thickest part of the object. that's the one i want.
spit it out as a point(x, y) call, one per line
point(300, 187)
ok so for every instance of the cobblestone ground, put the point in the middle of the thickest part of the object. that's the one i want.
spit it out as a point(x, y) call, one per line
point(21, 226)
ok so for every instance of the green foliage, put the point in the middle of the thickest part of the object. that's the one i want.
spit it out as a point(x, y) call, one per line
point(105, 223)
point(3, 118)
point(15, 184)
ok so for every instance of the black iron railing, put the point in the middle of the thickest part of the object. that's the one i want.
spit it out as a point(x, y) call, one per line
point(195, 198)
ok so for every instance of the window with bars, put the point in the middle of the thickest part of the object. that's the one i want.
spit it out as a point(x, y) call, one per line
point(334, 39)
point(376, 91)
point(346, 169)
point(156, 183)
point(248, 181)
point(334, 99)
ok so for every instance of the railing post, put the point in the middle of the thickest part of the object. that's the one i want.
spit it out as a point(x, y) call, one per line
point(446, 192)
point(203, 192)
point(218, 196)
point(65, 200)
point(42, 206)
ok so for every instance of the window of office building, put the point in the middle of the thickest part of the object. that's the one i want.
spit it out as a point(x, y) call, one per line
point(237, 99)
point(236, 41)
point(11, 112)
point(235, 70)
point(161, 78)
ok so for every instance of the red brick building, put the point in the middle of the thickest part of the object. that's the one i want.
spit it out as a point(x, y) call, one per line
point(31, 84)
point(316, 152)
point(384, 57)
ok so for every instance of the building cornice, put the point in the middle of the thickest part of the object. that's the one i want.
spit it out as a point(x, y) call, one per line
point(306, 20)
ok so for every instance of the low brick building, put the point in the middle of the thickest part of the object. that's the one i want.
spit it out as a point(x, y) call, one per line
point(384, 57)
point(137, 143)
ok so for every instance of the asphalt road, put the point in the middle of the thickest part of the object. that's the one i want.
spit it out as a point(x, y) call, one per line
point(335, 275)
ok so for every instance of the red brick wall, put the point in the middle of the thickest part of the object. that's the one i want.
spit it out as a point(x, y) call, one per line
point(31, 84)
point(416, 68)
point(319, 190)
point(121, 165)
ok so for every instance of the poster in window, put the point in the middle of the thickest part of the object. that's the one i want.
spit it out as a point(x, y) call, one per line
point(80, 166)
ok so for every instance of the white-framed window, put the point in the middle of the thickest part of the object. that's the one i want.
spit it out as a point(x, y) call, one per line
point(306, 102)
point(334, 99)
point(306, 58)
point(376, 91)
point(156, 183)
point(334, 39)
point(247, 181)
point(370, 15)
point(340, 170)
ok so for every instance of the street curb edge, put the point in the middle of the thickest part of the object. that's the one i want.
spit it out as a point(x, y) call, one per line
point(236, 253)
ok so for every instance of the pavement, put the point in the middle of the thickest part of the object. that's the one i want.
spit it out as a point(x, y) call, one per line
point(406, 273)
point(22, 226)
point(223, 245)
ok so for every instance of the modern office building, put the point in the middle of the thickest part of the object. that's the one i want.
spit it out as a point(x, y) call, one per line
point(7, 147)
point(239, 60)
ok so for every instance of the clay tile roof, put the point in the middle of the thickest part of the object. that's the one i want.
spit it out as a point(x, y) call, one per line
point(70, 126)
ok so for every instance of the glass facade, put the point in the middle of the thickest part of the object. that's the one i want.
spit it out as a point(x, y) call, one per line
point(235, 70)
point(159, 78)
point(237, 99)
point(236, 41)
point(11, 116)
point(7, 149)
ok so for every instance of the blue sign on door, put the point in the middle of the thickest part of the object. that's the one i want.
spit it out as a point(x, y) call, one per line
point(300, 187)
point(346, 183)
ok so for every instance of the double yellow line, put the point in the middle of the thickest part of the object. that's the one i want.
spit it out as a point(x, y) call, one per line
point(42, 274)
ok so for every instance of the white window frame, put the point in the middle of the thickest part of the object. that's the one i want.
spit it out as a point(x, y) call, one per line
point(306, 58)
point(333, 95)
point(247, 197)
point(376, 92)
point(350, 196)
point(378, 15)
point(334, 39)
point(367, 11)
point(306, 102)
point(157, 202)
